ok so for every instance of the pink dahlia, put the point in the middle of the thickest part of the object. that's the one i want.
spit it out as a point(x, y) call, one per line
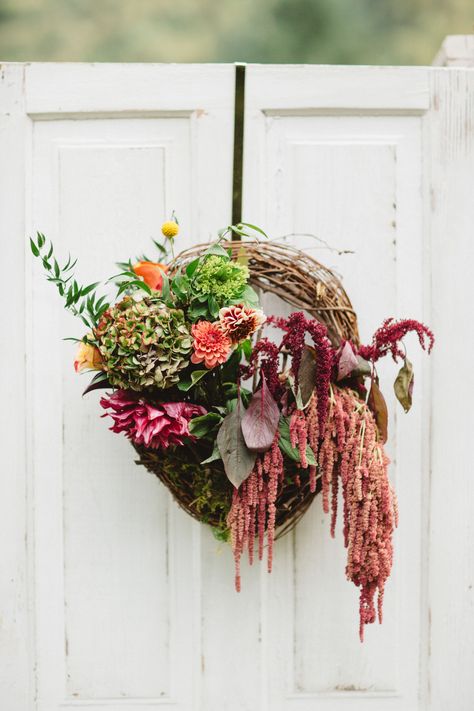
point(211, 344)
point(239, 321)
point(149, 425)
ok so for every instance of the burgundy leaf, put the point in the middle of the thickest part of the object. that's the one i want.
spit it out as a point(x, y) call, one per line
point(347, 361)
point(98, 382)
point(307, 374)
point(238, 460)
point(260, 421)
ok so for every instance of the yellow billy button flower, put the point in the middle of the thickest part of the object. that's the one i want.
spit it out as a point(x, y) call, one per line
point(170, 229)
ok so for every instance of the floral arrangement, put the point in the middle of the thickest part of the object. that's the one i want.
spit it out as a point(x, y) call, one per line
point(244, 416)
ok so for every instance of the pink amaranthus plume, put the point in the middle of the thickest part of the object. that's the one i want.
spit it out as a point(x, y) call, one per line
point(387, 338)
point(154, 426)
point(351, 455)
point(253, 509)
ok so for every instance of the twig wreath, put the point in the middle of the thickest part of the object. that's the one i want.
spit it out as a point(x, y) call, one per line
point(245, 429)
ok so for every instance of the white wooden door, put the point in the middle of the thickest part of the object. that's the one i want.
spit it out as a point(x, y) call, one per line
point(111, 597)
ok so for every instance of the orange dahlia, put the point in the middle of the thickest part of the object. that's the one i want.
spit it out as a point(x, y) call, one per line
point(239, 321)
point(211, 345)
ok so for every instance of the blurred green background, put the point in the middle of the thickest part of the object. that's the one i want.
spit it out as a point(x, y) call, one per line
point(321, 31)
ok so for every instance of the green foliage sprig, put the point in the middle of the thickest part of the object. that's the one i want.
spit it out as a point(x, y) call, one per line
point(81, 301)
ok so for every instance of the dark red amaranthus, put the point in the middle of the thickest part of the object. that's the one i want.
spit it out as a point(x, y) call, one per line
point(387, 338)
point(267, 353)
point(296, 326)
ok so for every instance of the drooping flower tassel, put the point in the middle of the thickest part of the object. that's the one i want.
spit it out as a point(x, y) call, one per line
point(312, 424)
point(351, 452)
point(299, 435)
point(253, 510)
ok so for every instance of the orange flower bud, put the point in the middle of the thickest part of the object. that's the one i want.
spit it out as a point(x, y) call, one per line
point(87, 358)
point(151, 273)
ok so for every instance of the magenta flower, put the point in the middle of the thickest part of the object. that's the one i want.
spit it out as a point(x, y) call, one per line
point(149, 425)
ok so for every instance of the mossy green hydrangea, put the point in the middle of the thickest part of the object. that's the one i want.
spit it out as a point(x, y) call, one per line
point(143, 343)
point(220, 278)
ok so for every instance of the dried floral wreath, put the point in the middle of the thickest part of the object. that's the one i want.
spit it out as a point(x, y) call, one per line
point(242, 429)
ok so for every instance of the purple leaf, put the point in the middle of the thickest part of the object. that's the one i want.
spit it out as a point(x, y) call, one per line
point(260, 421)
point(307, 375)
point(98, 382)
point(238, 460)
point(347, 361)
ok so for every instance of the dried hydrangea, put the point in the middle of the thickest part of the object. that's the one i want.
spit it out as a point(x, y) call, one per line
point(143, 343)
point(220, 278)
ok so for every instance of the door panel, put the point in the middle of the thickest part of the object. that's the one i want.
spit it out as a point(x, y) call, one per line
point(343, 181)
point(117, 563)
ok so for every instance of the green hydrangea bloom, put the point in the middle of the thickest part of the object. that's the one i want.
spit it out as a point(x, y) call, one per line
point(220, 278)
point(143, 343)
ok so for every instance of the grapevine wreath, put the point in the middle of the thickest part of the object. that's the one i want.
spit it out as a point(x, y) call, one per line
point(246, 417)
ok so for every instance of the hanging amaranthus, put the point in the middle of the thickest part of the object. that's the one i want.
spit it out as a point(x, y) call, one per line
point(296, 326)
point(253, 508)
point(351, 455)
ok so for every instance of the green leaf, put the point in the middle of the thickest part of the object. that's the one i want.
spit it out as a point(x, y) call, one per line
point(221, 534)
point(246, 348)
point(165, 288)
point(192, 266)
point(202, 425)
point(363, 368)
point(197, 311)
point(34, 248)
point(239, 231)
point(196, 375)
point(87, 289)
point(180, 285)
point(213, 306)
point(285, 444)
point(237, 458)
point(254, 227)
point(214, 456)
point(216, 250)
point(247, 296)
point(160, 248)
point(403, 385)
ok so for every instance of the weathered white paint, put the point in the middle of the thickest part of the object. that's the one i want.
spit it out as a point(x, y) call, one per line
point(110, 596)
point(449, 146)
